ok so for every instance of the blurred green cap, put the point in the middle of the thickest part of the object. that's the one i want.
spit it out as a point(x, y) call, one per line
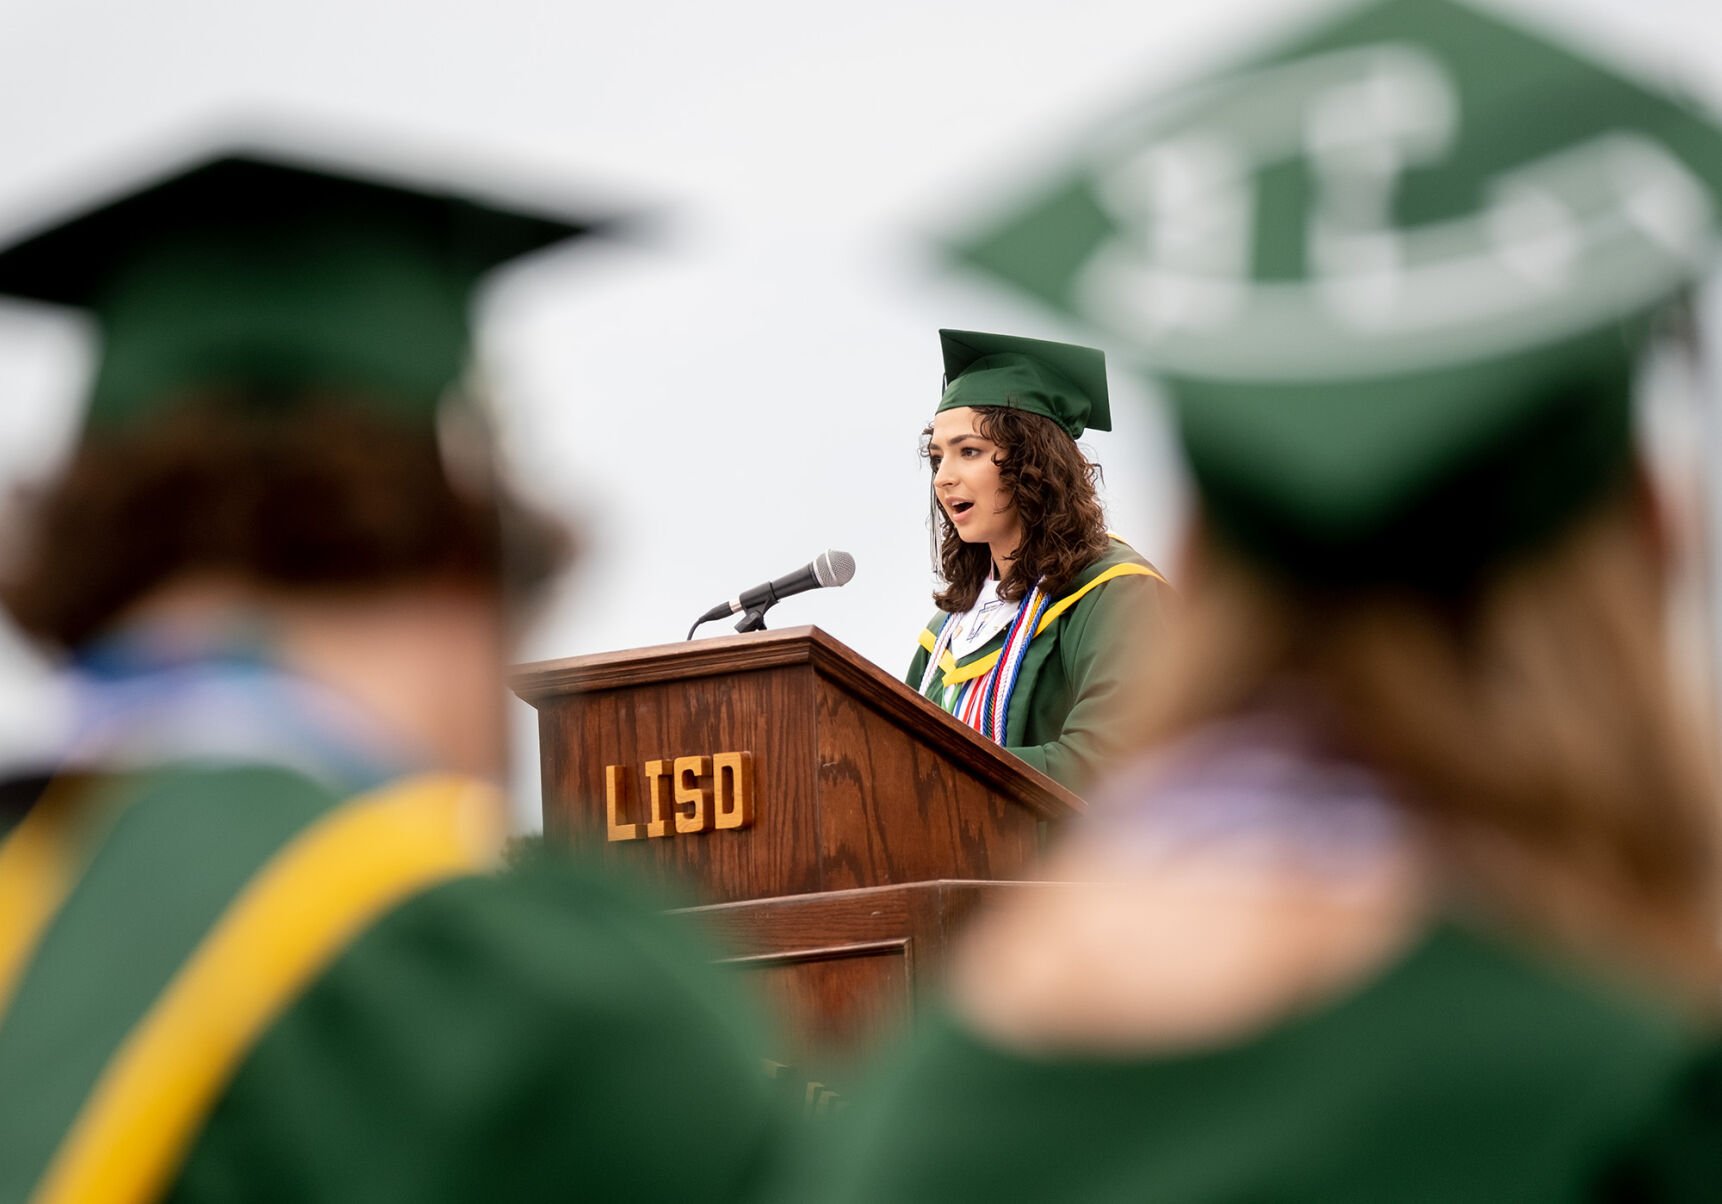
point(1060, 381)
point(251, 274)
point(1395, 275)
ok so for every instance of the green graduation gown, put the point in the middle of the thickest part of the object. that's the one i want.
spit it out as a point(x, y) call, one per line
point(461, 1035)
point(1065, 717)
point(1468, 1070)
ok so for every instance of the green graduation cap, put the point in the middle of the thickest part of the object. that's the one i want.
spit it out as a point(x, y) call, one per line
point(1395, 275)
point(251, 274)
point(1060, 381)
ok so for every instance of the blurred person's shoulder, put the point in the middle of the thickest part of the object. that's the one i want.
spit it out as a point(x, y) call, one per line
point(1201, 953)
point(1455, 1066)
point(1247, 879)
point(1214, 888)
point(1245, 963)
point(524, 1033)
point(452, 1031)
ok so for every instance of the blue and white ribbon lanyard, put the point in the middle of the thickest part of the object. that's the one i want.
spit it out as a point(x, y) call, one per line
point(137, 702)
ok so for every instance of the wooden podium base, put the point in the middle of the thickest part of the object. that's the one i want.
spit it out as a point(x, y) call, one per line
point(844, 970)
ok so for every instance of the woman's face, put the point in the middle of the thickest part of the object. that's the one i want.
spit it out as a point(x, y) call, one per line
point(966, 482)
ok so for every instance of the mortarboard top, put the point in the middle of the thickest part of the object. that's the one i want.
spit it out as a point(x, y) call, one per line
point(1060, 381)
point(249, 272)
point(1394, 273)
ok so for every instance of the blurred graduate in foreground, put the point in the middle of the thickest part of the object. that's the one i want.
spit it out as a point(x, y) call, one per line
point(1415, 895)
point(251, 941)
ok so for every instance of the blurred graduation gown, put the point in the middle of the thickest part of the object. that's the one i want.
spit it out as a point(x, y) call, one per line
point(1463, 1071)
point(1404, 421)
point(250, 950)
point(278, 979)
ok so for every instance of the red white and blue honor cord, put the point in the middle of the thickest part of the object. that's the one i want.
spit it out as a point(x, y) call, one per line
point(984, 702)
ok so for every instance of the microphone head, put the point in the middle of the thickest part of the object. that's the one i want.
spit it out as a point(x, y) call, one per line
point(832, 567)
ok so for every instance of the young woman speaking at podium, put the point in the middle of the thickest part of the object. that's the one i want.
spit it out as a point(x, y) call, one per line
point(1044, 616)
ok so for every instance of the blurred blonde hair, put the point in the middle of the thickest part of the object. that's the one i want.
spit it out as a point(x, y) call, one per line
point(1533, 731)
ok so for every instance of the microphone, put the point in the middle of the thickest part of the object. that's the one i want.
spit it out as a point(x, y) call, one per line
point(826, 569)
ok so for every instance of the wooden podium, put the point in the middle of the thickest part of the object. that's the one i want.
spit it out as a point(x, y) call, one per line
point(833, 827)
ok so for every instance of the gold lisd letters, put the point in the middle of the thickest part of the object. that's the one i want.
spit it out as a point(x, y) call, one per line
point(732, 789)
point(682, 797)
point(617, 781)
point(693, 801)
point(657, 773)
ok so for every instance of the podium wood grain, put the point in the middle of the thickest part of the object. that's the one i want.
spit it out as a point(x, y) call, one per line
point(881, 821)
point(858, 781)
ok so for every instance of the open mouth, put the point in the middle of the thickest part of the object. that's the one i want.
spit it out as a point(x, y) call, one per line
point(960, 508)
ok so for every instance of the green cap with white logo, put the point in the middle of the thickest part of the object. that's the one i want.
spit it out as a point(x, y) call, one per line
point(1395, 276)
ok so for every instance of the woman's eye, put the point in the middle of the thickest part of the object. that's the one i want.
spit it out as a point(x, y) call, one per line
point(933, 461)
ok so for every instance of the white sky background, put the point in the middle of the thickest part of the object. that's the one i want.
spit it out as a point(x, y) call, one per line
point(741, 385)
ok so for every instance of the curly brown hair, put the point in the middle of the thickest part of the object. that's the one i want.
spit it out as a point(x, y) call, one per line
point(1052, 485)
point(317, 496)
